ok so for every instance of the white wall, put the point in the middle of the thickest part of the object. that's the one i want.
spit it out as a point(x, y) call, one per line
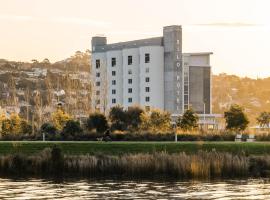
point(138, 69)
point(199, 60)
point(135, 67)
point(118, 68)
point(102, 79)
point(156, 74)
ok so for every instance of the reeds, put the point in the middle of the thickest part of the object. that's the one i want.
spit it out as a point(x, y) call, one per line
point(203, 165)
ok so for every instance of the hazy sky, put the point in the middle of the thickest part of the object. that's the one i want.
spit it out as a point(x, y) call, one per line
point(236, 31)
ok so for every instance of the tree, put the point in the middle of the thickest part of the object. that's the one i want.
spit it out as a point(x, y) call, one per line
point(188, 121)
point(264, 120)
point(156, 121)
point(6, 126)
point(235, 118)
point(97, 121)
point(60, 118)
point(48, 128)
point(14, 125)
point(26, 128)
point(133, 117)
point(117, 117)
point(72, 128)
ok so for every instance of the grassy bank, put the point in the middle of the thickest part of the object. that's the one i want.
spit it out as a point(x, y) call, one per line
point(120, 148)
point(203, 165)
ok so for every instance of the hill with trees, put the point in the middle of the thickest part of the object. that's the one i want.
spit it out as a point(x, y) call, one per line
point(252, 94)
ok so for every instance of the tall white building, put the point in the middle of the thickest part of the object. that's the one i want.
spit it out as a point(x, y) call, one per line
point(151, 73)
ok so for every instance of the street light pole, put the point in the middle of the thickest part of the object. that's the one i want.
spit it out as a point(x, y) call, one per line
point(204, 116)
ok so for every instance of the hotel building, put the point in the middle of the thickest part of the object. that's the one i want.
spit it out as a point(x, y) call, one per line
point(151, 73)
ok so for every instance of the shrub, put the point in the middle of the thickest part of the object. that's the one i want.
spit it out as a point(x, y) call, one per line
point(71, 129)
point(97, 121)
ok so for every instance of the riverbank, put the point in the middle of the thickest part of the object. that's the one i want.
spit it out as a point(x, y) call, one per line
point(202, 165)
point(120, 148)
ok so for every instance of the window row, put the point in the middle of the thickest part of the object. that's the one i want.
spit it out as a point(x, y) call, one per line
point(114, 72)
point(130, 60)
point(147, 79)
point(147, 89)
point(147, 99)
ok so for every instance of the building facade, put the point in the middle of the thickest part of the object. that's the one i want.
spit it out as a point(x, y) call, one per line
point(151, 73)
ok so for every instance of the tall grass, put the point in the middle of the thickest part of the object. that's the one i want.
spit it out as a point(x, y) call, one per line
point(203, 165)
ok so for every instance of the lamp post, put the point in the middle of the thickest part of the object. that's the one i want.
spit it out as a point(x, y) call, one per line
point(43, 137)
point(204, 122)
point(174, 129)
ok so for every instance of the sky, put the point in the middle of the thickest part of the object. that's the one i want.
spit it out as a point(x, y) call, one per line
point(236, 31)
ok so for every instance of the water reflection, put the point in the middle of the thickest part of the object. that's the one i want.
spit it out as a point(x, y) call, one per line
point(111, 189)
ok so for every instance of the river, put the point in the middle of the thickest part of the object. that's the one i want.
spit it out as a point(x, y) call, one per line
point(116, 189)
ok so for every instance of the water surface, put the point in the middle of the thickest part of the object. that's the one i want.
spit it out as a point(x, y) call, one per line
point(115, 189)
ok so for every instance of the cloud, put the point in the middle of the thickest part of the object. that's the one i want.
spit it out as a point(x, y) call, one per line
point(81, 21)
point(61, 20)
point(228, 24)
point(16, 17)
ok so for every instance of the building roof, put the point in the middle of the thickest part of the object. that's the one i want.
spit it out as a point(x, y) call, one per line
point(197, 54)
point(155, 41)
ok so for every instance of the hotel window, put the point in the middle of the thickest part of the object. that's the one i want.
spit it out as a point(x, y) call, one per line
point(147, 79)
point(129, 90)
point(113, 91)
point(113, 62)
point(98, 83)
point(147, 99)
point(113, 82)
point(113, 73)
point(129, 81)
point(97, 92)
point(129, 71)
point(129, 100)
point(147, 89)
point(147, 108)
point(97, 63)
point(113, 100)
point(97, 74)
point(129, 60)
point(147, 70)
point(147, 58)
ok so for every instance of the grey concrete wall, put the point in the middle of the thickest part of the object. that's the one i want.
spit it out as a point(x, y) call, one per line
point(199, 88)
point(98, 41)
point(172, 41)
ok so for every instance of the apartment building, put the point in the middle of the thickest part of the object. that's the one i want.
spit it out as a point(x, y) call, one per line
point(151, 73)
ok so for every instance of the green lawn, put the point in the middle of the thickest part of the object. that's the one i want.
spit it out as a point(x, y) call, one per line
point(115, 148)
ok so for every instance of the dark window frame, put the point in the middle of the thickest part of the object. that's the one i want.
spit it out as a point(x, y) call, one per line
point(97, 63)
point(147, 58)
point(129, 60)
point(113, 61)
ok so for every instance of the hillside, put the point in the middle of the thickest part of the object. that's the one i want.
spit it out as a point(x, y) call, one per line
point(252, 94)
point(72, 76)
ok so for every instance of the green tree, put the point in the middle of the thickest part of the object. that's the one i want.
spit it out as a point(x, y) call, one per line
point(26, 128)
point(71, 129)
point(117, 117)
point(97, 121)
point(264, 119)
point(156, 121)
point(188, 121)
point(133, 117)
point(235, 118)
point(48, 128)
